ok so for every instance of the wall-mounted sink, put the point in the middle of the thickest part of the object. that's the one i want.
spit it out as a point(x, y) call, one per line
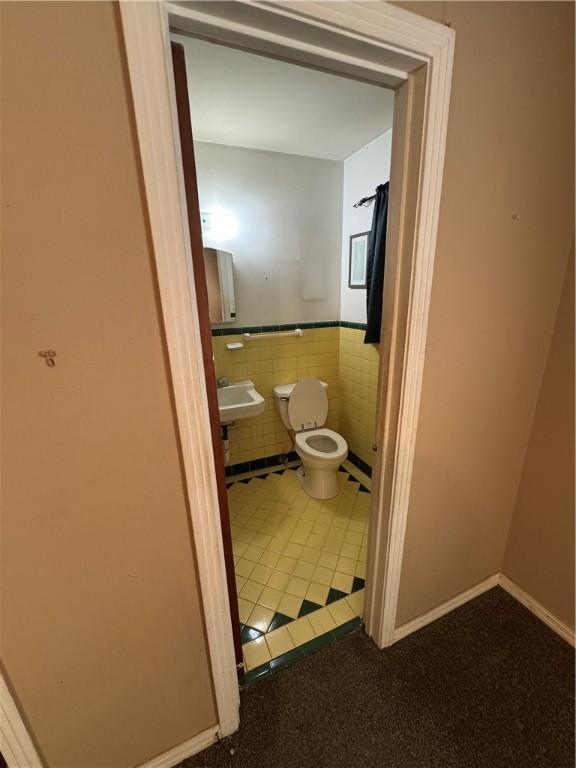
point(239, 401)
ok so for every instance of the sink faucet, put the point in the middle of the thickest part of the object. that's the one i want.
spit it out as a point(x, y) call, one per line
point(224, 381)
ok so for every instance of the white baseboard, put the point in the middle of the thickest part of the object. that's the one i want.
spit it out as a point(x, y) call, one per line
point(562, 629)
point(191, 747)
point(441, 610)
point(497, 579)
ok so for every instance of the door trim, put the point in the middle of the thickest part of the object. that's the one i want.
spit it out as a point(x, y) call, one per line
point(150, 66)
point(16, 744)
point(402, 42)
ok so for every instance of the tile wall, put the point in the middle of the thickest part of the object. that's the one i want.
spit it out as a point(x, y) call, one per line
point(358, 379)
point(334, 354)
point(268, 362)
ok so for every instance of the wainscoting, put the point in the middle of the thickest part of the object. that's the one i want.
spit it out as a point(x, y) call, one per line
point(333, 352)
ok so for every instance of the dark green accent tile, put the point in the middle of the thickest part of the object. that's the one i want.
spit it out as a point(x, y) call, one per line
point(335, 594)
point(249, 633)
point(348, 628)
point(358, 462)
point(363, 489)
point(256, 674)
point(279, 620)
point(357, 584)
point(308, 607)
point(286, 659)
point(317, 644)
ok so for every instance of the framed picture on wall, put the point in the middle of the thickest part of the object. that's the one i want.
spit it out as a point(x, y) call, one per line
point(358, 260)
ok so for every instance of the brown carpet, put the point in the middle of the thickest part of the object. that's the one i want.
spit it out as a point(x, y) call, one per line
point(488, 686)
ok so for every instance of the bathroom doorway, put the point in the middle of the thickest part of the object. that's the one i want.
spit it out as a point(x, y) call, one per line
point(281, 157)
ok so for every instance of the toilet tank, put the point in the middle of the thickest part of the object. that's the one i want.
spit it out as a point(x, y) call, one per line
point(282, 394)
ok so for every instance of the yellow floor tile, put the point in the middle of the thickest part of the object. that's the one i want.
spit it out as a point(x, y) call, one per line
point(279, 642)
point(348, 550)
point(270, 598)
point(301, 631)
point(290, 606)
point(276, 544)
point(315, 541)
point(289, 547)
point(256, 653)
point(293, 550)
point(244, 568)
point(346, 565)
point(317, 593)
point(269, 558)
point(239, 547)
point(297, 587)
point(321, 621)
point(310, 555)
point(341, 611)
point(321, 528)
point(337, 534)
point(304, 570)
point(343, 582)
point(251, 591)
point(245, 608)
point(261, 574)
point(333, 546)
point(286, 564)
point(352, 537)
point(322, 575)
point(356, 602)
point(262, 540)
point(328, 560)
point(260, 618)
point(253, 553)
point(279, 580)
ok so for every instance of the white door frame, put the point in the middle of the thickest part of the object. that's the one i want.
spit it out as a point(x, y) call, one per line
point(392, 44)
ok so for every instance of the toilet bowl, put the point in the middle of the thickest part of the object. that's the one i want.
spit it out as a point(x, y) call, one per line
point(303, 408)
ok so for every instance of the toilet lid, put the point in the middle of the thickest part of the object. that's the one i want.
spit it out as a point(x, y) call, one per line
point(308, 405)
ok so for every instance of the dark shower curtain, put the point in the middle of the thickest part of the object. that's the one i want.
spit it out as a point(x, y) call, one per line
point(375, 265)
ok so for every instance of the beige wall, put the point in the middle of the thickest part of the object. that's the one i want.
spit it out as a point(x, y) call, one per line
point(540, 550)
point(496, 286)
point(102, 633)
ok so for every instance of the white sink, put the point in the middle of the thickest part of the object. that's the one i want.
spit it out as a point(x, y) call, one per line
point(239, 401)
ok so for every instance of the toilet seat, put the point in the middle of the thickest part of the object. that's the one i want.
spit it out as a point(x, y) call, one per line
point(308, 405)
point(305, 443)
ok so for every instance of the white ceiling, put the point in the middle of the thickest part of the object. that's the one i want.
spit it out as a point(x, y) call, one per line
point(245, 100)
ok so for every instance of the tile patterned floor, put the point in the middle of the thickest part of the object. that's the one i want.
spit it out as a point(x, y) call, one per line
point(299, 562)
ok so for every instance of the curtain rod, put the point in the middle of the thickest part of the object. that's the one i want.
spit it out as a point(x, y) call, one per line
point(365, 201)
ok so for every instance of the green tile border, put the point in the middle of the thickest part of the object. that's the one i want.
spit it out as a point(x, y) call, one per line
point(308, 325)
point(309, 648)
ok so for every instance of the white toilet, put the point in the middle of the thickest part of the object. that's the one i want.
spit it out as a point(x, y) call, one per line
point(303, 408)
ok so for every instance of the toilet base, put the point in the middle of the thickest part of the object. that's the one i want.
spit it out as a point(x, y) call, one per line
point(319, 483)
